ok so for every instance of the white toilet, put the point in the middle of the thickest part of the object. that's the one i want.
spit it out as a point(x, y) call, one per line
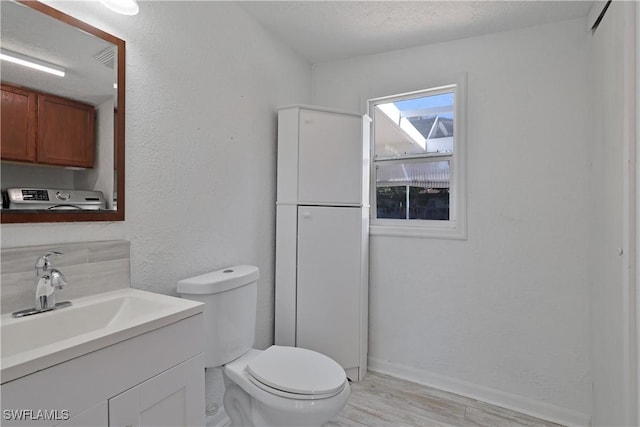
point(280, 386)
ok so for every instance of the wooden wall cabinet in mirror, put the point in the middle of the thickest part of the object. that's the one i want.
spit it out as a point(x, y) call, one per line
point(63, 133)
point(70, 122)
point(46, 129)
point(18, 120)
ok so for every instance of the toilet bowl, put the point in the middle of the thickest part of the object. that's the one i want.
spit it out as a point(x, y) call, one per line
point(265, 398)
point(279, 386)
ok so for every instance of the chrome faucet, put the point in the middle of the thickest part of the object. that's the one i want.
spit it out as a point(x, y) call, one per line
point(49, 279)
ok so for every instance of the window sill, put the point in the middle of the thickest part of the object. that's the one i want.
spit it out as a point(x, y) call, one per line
point(426, 232)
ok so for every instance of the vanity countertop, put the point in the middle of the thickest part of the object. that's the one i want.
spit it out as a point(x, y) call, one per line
point(33, 343)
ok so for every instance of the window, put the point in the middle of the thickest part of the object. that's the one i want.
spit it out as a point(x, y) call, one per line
point(417, 171)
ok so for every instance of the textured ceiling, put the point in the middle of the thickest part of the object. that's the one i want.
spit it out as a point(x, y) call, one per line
point(328, 30)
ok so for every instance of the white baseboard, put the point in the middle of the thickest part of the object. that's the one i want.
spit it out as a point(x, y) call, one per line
point(524, 405)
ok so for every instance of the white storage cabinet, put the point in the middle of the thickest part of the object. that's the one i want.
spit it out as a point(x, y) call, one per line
point(322, 234)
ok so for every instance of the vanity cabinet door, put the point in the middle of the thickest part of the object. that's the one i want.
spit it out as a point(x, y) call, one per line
point(18, 110)
point(93, 417)
point(65, 132)
point(173, 398)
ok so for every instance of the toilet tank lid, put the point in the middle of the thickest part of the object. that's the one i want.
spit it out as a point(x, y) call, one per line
point(219, 280)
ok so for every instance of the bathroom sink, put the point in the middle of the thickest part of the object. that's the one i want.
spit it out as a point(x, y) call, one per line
point(36, 342)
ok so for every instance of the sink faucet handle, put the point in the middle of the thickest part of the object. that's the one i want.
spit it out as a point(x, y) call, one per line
point(58, 280)
point(43, 261)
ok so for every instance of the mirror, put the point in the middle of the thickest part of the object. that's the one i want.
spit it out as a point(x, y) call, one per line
point(91, 95)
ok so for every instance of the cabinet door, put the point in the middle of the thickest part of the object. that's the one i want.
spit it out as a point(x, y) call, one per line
point(174, 398)
point(329, 280)
point(93, 417)
point(65, 132)
point(330, 158)
point(18, 118)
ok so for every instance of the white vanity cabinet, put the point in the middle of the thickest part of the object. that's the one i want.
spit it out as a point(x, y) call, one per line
point(169, 399)
point(96, 416)
point(155, 378)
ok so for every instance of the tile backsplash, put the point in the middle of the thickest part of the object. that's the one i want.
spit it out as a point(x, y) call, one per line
point(90, 268)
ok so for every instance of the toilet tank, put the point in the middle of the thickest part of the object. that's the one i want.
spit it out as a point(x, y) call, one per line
point(230, 297)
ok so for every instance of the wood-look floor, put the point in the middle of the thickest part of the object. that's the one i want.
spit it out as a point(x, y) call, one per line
point(381, 400)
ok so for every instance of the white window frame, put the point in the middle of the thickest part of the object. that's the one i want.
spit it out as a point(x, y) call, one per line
point(456, 226)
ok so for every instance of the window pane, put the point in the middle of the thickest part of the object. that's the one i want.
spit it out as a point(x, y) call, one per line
point(429, 203)
point(392, 202)
point(427, 183)
point(414, 126)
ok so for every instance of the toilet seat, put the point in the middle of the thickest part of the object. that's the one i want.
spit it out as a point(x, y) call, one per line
point(296, 373)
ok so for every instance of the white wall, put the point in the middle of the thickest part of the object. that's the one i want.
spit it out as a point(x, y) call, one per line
point(503, 315)
point(19, 175)
point(101, 176)
point(203, 83)
point(612, 253)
